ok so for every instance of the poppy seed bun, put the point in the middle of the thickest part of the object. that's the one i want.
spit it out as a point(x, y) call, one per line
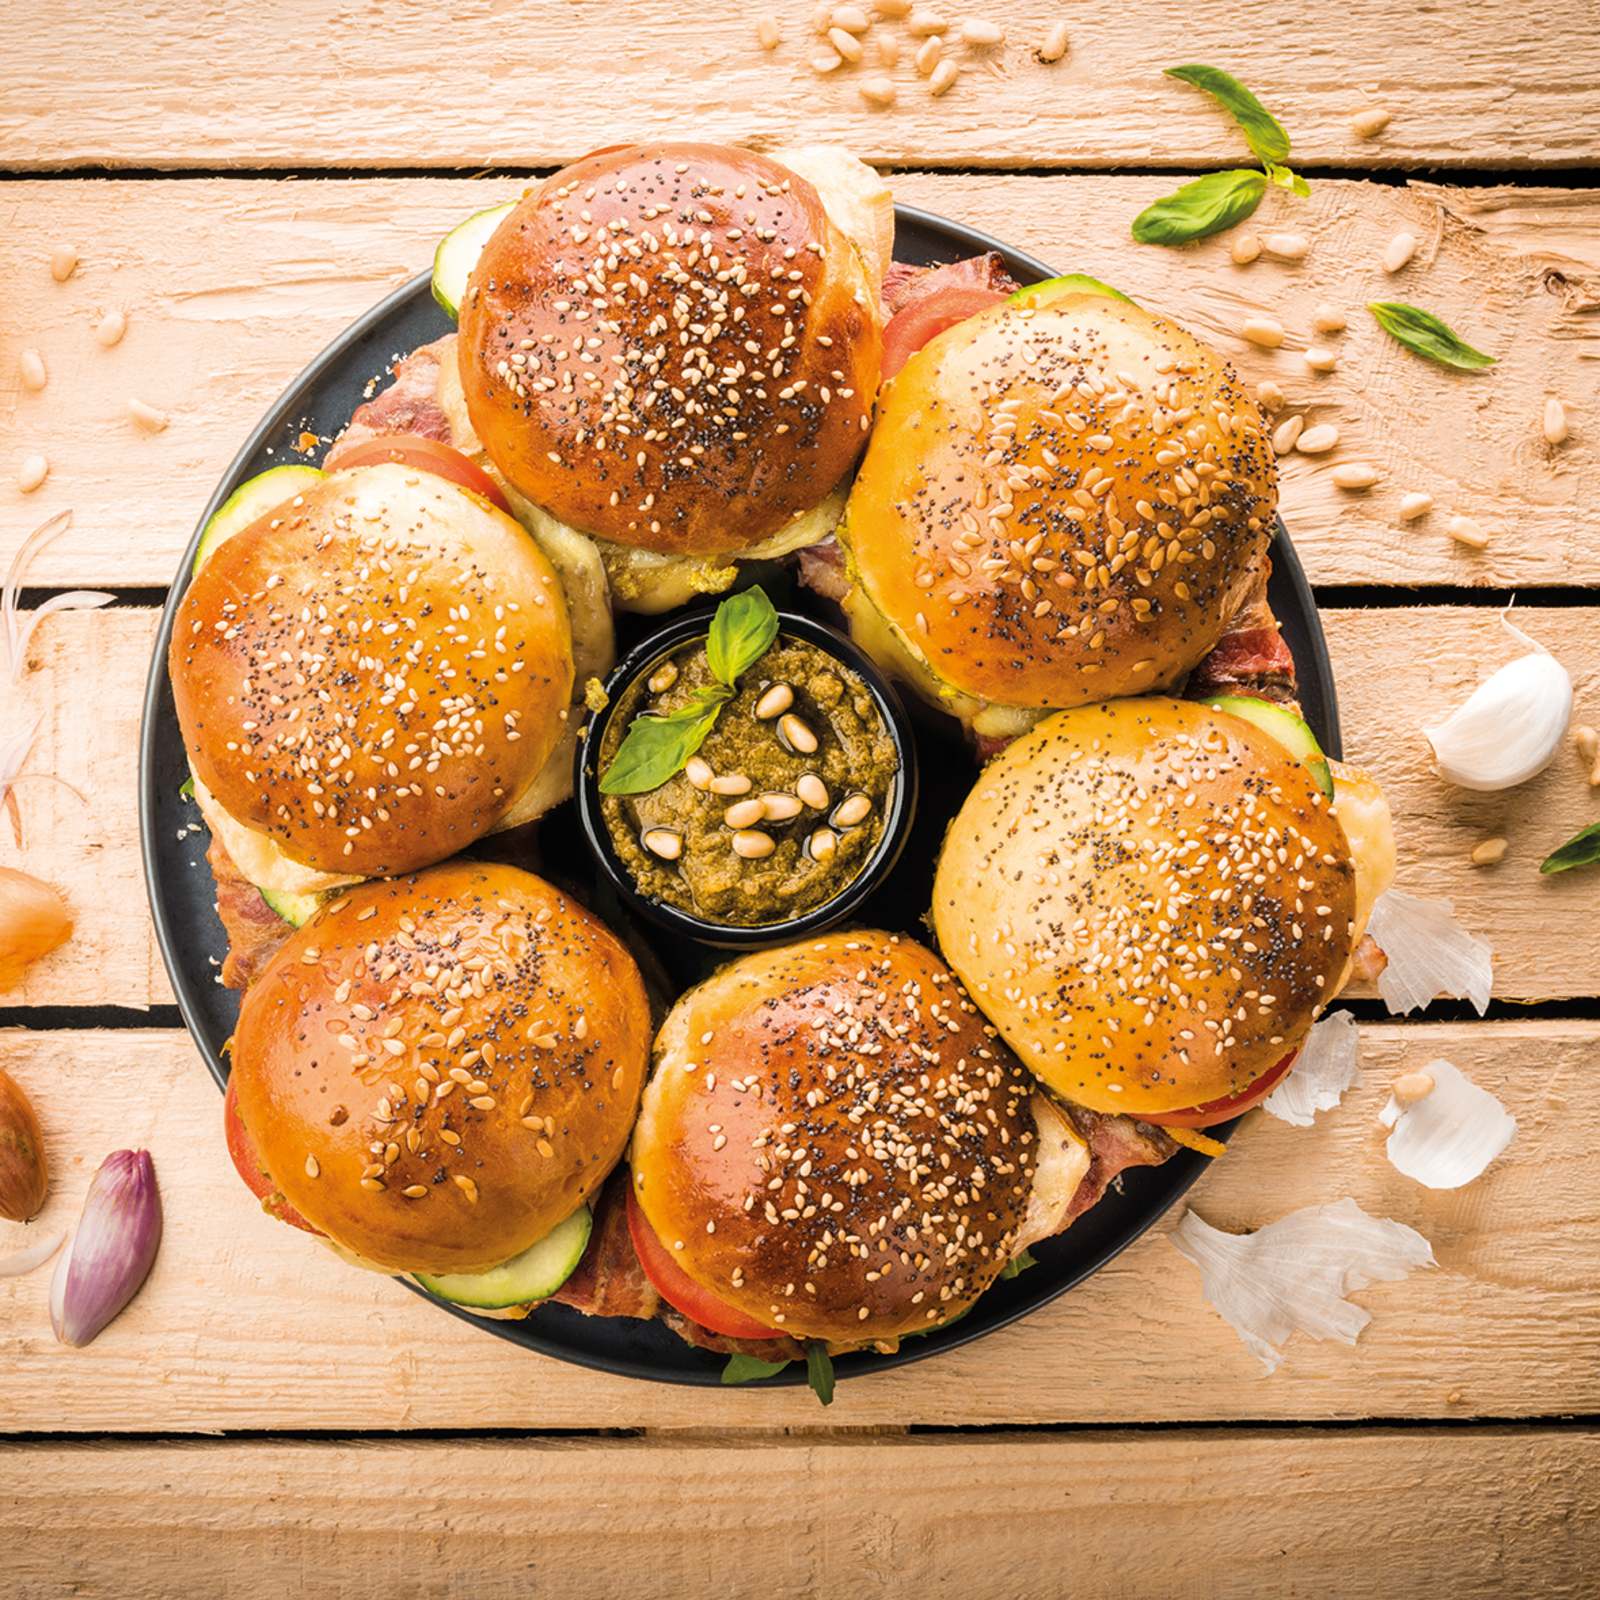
point(373, 673)
point(671, 346)
point(436, 1070)
point(1061, 504)
point(1150, 899)
point(833, 1141)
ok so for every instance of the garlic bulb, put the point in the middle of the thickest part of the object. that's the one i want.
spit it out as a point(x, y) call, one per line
point(1510, 727)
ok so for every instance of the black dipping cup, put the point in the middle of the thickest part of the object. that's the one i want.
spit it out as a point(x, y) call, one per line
point(640, 662)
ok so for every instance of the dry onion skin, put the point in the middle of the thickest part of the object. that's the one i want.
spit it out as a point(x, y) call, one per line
point(1293, 1275)
point(1329, 1063)
point(33, 922)
point(24, 1172)
point(1448, 1136)
point(1429, 953)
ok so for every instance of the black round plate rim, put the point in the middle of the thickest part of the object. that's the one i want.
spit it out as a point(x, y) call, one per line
point(555, 1330)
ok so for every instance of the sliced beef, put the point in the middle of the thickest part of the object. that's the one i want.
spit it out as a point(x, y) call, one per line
point(904, 285)
point(255, 931)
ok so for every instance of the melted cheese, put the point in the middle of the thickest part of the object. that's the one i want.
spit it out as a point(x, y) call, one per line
point(1061, 1164)
point(257, 855)
point(1363, 813)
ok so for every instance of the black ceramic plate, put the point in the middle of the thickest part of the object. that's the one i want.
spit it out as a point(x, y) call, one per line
point(182, 897)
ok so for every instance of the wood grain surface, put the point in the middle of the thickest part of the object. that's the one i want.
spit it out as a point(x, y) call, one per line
point(246, 1324)
point(231, 287)
point(1223, 1514)
point(519, 83)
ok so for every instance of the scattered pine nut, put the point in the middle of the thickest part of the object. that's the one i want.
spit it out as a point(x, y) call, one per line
point(147, 416)
point(1587, 740)
point(877, 91)
point(1286, 433)
point(1053, 46)
point(33, 471)
point(1318, 441)
point(1411, 1087)
point(1555, 422)
point(663, 842)
point(1262, 331)
point(111, 328)
point(30, 364)
point(1400, 250)
point(1371, 122)
point(63, 262)
point(925, 24)
point(745, 813)
point(1594, 776)
point(698, 771)
point(1354, 475)
point(892, 8)
point(942, 77)
point(888, 49)
point(852, 19)
point(981, 34)
point(826, 62)
point(768, 32)
point(1287, 246)
point(1329, 319)
point(822, 21)
point(752, 844)
point(1465, 531)
point(928, 53)
point(1488, 851)
point(1269, 396)
point(774, 702)
point(1245, 248)
point(1321, 359)
point(849, 47)
point(1413, 506)
point(729, 783)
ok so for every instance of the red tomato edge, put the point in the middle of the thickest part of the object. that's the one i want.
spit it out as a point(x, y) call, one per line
point(1227, 1108)
point(247, 1163)
point(924, 320)
point(426, 455)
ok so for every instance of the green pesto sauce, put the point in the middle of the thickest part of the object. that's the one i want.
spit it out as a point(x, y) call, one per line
point(855, 755)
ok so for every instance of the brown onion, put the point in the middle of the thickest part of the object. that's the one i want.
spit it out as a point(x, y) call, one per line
point(24, 1175)
point(33, 921)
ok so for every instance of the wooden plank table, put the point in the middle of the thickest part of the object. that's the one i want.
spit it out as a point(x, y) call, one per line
point(242, 182)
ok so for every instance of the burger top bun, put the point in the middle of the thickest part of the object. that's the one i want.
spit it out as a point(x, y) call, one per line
point(1151, 900)
point(436, 1070)
point(374, 672)
point(1061, 503)
point(833, 1141)
point(672, 346)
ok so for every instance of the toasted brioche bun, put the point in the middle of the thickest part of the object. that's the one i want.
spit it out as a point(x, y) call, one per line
point(373, 673)
point(833, 1142)
point(345, 1056)
point(672, 346)
point(1061, 504)
point(1151, 901)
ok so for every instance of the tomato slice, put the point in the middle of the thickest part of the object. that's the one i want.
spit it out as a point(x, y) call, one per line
point(247, 1163)
point(1225, 1109)
point(427, 455)
point(678, 1289)
point(925, 319)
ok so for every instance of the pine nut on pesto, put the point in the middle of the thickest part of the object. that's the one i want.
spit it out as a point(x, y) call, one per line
point(719, 874)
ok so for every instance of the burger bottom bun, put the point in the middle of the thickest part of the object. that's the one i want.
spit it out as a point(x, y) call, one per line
point(833, 1142)
point(1151, 901)
point(437, 1070)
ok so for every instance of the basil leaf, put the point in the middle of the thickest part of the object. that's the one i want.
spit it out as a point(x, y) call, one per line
point(1582, 850)
point(746, 1369)
point(741, 631)
point(656, 747)
point(819, 1371)
point(1018, 1264)
point(1201, 208)
point(1285, 178)
point(1265, 133)
point(186, 788)
point(1425, 335)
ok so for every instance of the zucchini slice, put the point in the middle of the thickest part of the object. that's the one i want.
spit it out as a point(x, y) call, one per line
point(1280, 723)
point(536, 1274)
point(297, 909)
point(253, 499)
point(458, 254)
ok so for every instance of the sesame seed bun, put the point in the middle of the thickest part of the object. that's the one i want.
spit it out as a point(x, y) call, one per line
point(833, 1142)
point(1150, 899)
point(373, 673)
point(1061, 504)
point(437, 1070)
point(672, 347)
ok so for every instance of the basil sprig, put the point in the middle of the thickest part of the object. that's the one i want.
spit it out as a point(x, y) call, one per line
point(1221, 199)
point(656, 746)
point(819, 1370)
point(1581, 850)
point(746, 1369)
point(1425, 335)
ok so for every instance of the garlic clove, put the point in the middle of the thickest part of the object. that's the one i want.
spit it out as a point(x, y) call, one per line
point(113, 1250)
point(1509, 729)
point(1447, 1136)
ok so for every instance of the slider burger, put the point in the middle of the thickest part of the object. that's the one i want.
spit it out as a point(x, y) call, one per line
point(368, 677)
point(834, 1146)
point(674, 349)
point(1065, 499)
point(1153, 900)
point(437, 1072)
